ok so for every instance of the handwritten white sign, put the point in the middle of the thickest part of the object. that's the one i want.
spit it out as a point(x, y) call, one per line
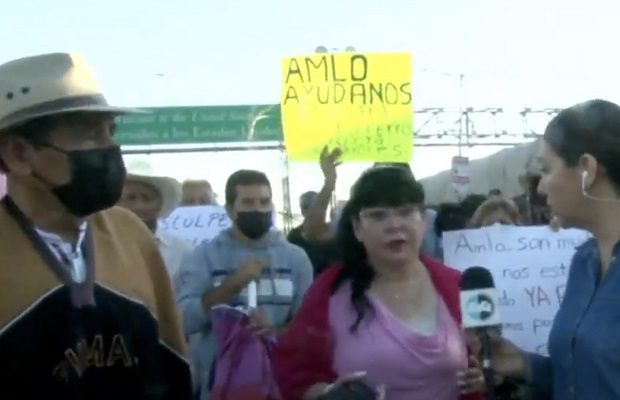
point(196, 224)
point(529, 265)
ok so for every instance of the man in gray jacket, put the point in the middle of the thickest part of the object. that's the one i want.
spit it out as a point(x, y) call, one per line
point(219, 272)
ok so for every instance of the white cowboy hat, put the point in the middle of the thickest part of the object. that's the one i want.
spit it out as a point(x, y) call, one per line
point(49, 84)
point(168, 188)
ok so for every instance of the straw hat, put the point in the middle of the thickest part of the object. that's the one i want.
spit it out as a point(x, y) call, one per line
point(168, 188)
point(49, 84)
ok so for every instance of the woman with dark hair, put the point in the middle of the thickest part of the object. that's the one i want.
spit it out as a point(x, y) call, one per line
point(386, 311)
point(581, 178)
point(431, 242)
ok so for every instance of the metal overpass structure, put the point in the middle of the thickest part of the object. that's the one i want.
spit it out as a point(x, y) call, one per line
point(433, 127)
point(491, 126)
point(518, 132)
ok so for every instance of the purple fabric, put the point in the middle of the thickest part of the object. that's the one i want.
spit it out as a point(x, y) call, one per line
point(243, 363)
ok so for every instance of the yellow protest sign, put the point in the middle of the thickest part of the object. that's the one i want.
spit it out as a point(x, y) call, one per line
point(361, 103)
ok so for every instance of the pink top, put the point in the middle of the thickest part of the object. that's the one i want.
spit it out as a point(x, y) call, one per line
point(410, 366)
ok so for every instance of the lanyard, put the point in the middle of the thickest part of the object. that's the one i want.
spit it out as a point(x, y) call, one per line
point(73, 260)
point(82, 294)
point(70, 255)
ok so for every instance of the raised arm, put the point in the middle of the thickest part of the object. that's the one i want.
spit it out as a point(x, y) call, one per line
point(315, 229)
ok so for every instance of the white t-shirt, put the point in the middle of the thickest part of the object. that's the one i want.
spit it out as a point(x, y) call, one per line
point(69, 254)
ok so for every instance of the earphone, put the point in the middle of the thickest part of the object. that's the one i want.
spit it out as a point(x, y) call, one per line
point(584, 176)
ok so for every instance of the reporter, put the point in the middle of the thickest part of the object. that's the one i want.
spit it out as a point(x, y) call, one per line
point(581, 179)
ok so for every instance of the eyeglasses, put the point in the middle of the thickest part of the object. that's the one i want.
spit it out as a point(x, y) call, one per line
point(382, 214)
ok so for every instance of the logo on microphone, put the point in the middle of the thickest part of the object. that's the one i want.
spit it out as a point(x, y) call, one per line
point(480, 307)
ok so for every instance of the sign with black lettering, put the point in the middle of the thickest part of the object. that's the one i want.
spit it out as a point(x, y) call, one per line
point(361, 103)
point(196, 224)
point(529, 266)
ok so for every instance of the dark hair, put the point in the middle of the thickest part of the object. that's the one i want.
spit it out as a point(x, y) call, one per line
point(405, 166)
point(306, 199)
point(36, 132)
point(386, 186)
point(592, 127)
point(470, 204)
point(243, 177)
point(450, 217)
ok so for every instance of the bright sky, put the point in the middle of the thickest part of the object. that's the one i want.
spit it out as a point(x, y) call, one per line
point(513, 54)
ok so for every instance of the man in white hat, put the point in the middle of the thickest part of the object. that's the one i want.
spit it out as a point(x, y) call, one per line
point(152, 198)
point(85, 312)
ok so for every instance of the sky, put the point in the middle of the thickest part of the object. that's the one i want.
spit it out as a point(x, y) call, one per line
point(511, 54)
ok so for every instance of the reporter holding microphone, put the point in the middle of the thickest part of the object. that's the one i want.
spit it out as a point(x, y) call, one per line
point(581, 178)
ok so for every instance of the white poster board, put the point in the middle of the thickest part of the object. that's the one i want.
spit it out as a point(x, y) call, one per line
point(529, 265)
point(196, 224)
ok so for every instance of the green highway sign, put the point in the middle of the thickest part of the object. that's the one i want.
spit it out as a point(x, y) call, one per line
point(209, 124)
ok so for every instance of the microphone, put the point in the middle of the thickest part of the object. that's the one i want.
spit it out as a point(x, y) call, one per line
point(479, 310)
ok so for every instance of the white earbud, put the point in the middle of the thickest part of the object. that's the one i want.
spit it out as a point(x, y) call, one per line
point(584, 191)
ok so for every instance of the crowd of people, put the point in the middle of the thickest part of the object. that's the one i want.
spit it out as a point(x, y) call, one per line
point(99, 302)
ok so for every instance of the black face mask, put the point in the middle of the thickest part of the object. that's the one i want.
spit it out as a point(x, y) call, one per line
point(97, 179)
point(254, 224)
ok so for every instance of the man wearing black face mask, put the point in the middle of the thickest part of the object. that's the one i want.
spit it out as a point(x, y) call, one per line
point(218, 272)
point(85, 314)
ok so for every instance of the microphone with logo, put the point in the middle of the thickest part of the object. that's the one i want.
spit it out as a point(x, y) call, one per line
point(479, 303)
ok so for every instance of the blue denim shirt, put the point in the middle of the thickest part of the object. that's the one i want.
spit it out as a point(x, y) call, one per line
point(584, 343)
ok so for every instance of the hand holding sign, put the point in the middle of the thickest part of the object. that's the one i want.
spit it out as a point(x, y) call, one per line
point(555, 224)
point(329, 162)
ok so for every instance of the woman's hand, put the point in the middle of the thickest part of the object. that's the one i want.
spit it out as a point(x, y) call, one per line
point(555, 224)
point(507, 359)
point(472, 379)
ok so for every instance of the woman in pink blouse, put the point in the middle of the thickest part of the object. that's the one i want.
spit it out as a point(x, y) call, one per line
point(387, 312)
